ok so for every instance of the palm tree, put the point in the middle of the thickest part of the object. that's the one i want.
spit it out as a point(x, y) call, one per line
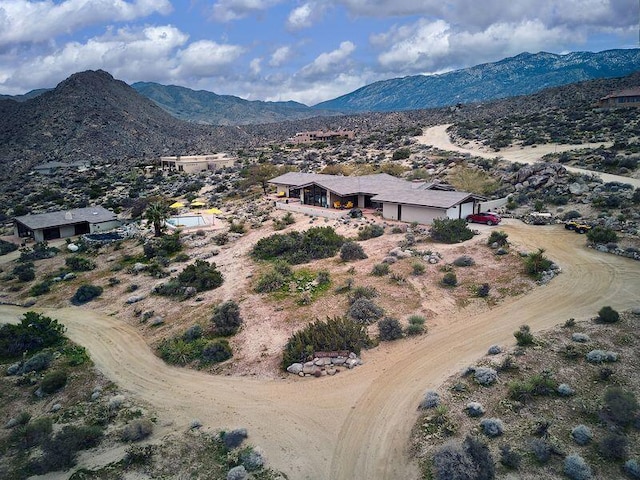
point(156, 214)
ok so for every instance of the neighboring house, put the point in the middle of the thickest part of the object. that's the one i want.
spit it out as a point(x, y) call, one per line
point(65, 223)
point(49, 168)
point(399, 199)
point(624, 98)
point(197, 163)
point(320, 136)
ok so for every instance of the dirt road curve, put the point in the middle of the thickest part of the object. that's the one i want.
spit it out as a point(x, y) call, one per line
point(355, 425)
point(439, 138)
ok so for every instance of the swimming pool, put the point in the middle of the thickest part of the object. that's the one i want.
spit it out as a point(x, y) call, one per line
point(187, 221)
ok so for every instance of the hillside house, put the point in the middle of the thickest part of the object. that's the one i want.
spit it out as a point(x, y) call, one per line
point(197, 163)
point(320, 136)
point(50, 168)
point(622, 99)
point(398, 199)
point(65, 223)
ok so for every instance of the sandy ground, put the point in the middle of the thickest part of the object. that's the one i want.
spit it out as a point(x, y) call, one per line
point(438, 137)
point(355, 425)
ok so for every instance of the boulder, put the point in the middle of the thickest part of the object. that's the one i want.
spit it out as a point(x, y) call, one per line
point(351, 362)
point(69, 276)
point(72, 247)
point(138, 267)
point(295, 368)
point(390, 260)
point(395, 251)
point(237, 473)
point(338, 360)
point(577, 188)
point(134, 299)
point(156, 321)
point(310, 370)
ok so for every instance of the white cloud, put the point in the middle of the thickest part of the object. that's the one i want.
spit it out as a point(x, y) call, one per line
point(280, 56)
point(305, 15)
point(228, 10)
point(255, 66)
point(205, 58)
point(23, 21)
point(329, 62)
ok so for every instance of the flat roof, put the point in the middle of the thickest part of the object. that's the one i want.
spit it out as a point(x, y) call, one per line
point(94, 215)
point(344, 185)
point(424, 198)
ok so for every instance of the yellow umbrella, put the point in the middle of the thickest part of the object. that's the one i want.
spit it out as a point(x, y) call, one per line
point(176, 205)
point(197, 203)
point(213, 211)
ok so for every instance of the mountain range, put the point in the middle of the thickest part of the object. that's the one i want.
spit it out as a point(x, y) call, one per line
point(520, 75)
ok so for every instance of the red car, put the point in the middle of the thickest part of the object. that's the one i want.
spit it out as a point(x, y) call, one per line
point(487, 217)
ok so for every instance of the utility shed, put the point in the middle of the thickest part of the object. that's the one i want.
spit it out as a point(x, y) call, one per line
point(65, 223)
point(423, 206)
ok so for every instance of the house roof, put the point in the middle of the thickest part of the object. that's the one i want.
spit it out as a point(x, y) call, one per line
point(424, 198)
point(94, 215)
point(342, 185)
point(630, 92)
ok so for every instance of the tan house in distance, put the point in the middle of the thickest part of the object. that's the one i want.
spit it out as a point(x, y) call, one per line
point(320, 136)
point(197, 163)
point(622, 99)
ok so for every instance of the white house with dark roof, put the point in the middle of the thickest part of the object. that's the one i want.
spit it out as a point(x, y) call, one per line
point(65, 223)
point(399, 199)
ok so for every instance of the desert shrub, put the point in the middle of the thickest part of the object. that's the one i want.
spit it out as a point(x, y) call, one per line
point(494, 350)
point(7, 247)
point(608, 315)
point(580, 337)
point(602, 235)
point(237, 227)
point(620, 406)
point(234, 438)
point(351, 251)
point(485, 376)
point(181, 257)
point(614, 446)
point(510, 458)
point(40, 361)
point(53, 381)
point(380, 269)
point(252, 460)
point(164, 246)
point(299, 247)
point(535, 263)
point(565, 390)
point(79, 264)
point(61, 451)
point(76, 355)
point(581, 435)
point(571, 214)
point(33, 333)
point(416, 325)
point(498, 237)
point(401, 154)
point(482, 291)
point(136, 430)
point(492, 427)
point(178, 351)
point(418, 268)
point(25, 272)
point(474, 409)
point(194, 332)
point(362, 292)
point(537, 385)
point(389, 329)
point(470, 460)
point(40, 288)
point(39, 251)
point(576, 468)
point(86, 293)
point(334, 334)
point(464, 261)
point(271, 281)
point(632, 467)
point(221, 238)
point(370, 231)
point(431, 399)
point(201, 275)
point(449, 279)
point(601, 356)
point(541, 450)
point(217, 351)
point(364, 311)
point(447, 230)
point(524, 337)
point(226, 318)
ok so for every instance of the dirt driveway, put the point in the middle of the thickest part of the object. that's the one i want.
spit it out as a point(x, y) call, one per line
point(355, 425)
point(438, 137)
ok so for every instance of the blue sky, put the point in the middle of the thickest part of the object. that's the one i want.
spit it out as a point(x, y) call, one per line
point(306, 50)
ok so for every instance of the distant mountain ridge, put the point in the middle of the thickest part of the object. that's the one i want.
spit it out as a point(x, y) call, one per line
point(202, 106)
point(523, 74)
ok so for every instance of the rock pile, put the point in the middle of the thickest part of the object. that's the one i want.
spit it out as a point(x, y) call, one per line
point(325, 365)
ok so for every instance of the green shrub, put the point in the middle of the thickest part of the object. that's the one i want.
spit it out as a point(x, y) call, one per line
point(510, 458)
point(79, 264)
point(614, 446)
point(60, 453)
point(416, 325)
point(464, 261)
point(53, 381)
point(24, 271)
point(39, 251)
point(621, 407)
point(40, 288)
point(449, 279)
point(217, 351)
point(364, 311)
point(323, 277)
point(538, 385)
point(31, 433)
point(194, 332)
point(33, 333)
point(370, 231)
point(418, 268)
point(523, 335)
point(576, 468)
point(237, 227)
point(351, 251)
point(469, 460)
point(535, 263)
point(380, 269)
point(299, 247)
point(136, 430)
point(608, 315)
point(602, 235)
point(447, 230)
point(86, 293)
point(7, 247)
point(226, 318)
point(164, 246)
point(271, 281)
point(200, 275)
point(362, 292)
point(401, 154)
point(178, 351)
point(571, 215)
point(389, 329)
point(483, 290)
point(334, 334)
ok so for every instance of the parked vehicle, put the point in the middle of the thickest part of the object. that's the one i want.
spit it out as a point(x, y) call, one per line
point(578, 227)
point(486, 217)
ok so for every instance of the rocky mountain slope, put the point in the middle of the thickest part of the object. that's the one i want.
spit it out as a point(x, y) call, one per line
point(523, 74)
point(201, 106)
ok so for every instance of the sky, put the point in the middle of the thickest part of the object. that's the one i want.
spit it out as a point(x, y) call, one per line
point(302, 50)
